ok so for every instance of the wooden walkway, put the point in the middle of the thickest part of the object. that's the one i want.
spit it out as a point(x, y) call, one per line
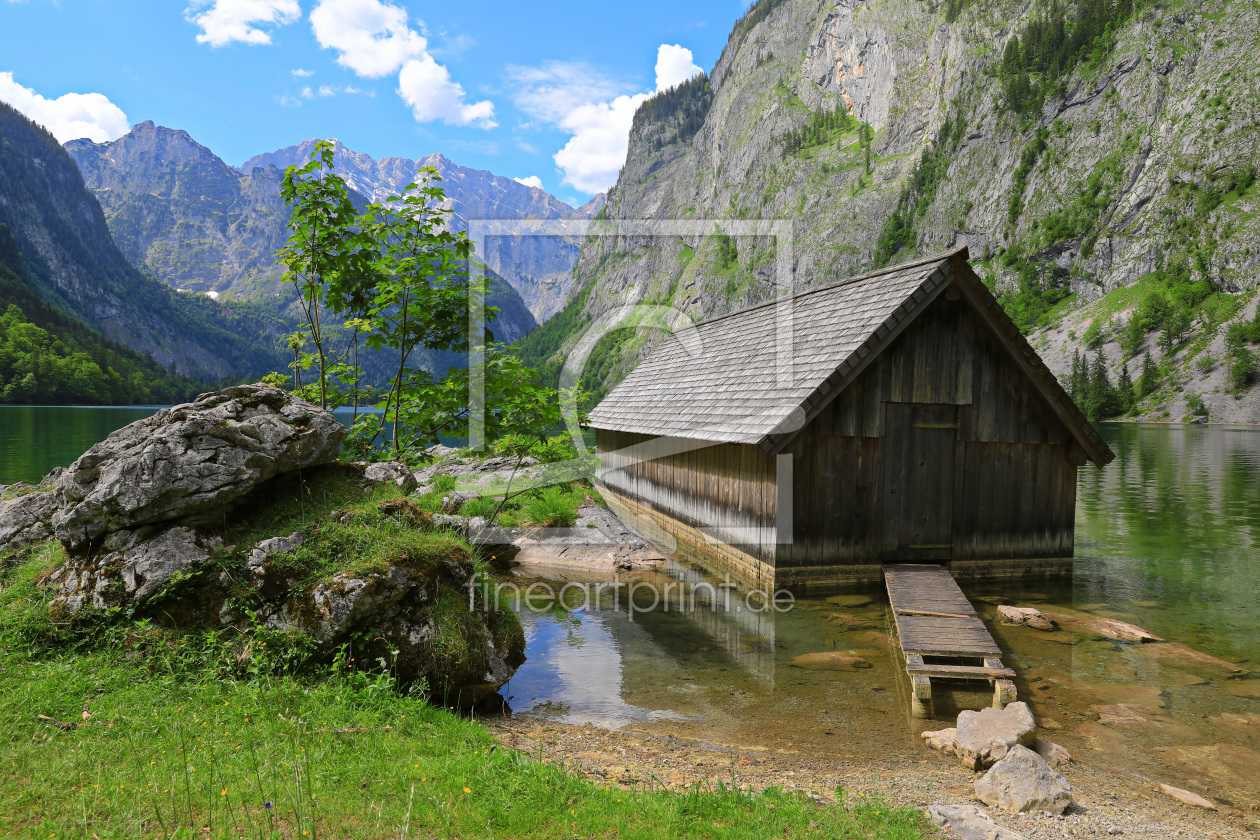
point(935, 620)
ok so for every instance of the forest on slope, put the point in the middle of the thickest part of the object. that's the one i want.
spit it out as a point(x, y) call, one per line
point(48, 357)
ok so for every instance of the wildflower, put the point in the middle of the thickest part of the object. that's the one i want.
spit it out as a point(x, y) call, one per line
point(223, 792)
point(268, 804)
point(467, 790)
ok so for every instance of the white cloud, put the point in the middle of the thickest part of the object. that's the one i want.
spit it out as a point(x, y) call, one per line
point(70, 116)
point(531, 181)
point(594, 109)
point(674, 65)
point(238, 20)
point(371, 38)
point(299, 73)
point(375, 39)
point(593, 157)
point(427, 87)
point(552, 91)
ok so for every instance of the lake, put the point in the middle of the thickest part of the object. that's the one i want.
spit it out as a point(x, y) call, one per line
point(1168, 537)
point(36, 438)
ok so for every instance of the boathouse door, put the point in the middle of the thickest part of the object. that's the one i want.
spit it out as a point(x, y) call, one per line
point(919, 443)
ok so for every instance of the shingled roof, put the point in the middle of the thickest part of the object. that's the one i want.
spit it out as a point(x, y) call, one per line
point(732, 380)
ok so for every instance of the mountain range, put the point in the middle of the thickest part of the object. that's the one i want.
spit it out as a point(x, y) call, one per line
point(201, 225)
point(70, 261)
point(1099, 161)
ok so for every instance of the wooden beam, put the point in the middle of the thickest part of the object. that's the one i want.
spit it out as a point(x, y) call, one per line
point(959, 672)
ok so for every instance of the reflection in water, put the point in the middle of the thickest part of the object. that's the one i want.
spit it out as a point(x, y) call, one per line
point(1170, 534)
point(1168, 537)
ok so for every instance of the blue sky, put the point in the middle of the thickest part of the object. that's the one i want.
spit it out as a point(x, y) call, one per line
point(525, 90)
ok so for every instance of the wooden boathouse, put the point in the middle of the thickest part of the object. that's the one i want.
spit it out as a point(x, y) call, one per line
point(894, 417)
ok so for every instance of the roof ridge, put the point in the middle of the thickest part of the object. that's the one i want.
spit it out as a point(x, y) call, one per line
point(938, 257)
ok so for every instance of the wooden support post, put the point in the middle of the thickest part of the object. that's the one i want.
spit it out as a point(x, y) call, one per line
point(1003, 689)
point(920, 690)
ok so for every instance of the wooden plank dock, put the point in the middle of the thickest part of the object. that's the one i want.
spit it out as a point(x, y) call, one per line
point(935, 620)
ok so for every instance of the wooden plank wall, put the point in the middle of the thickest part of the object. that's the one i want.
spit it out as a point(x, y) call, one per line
point(1014, 486)
point(725, 490)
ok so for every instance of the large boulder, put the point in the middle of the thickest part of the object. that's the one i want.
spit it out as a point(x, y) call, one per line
point(26, 516)
point(1021, 782)
point(985, 737)
point(404, 608)
point(132, 567)
point(191, 459)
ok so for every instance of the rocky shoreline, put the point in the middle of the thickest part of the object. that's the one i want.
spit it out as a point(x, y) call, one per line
point(1107, 804)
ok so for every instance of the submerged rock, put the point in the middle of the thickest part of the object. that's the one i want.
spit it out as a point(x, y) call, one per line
point(942, 739)
point(846, 621)
point(967, 823)
point(1054, 755)
point(1021, 782)
point(191, 459)
point(849, 601)
point(1187, 797)
point(832, 660)
point(1024, 617)
point(1122, 631)
point(1117, 713)
point(985, 737)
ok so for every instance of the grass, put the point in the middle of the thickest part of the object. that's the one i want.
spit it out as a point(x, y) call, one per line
point(155, 740)
point(553, 507)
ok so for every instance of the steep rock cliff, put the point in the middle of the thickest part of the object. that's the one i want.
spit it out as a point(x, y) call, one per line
point(875, 130)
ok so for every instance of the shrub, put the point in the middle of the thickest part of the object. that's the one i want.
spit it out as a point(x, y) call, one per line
point(483, 506)
point(1242, 370)
point(553, 507)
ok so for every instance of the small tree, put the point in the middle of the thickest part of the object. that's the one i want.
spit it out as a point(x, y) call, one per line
point(1176, 324)
point(421, 293)
point(1148, 380)
point(326, 254)
point(1124, 389)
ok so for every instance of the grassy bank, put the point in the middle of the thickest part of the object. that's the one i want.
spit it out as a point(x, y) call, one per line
point(167, 755)
point(163, 724)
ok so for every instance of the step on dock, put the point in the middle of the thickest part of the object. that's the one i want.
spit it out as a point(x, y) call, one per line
point(936, 621)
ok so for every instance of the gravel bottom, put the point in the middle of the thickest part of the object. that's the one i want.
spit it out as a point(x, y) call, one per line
point(1108, 804)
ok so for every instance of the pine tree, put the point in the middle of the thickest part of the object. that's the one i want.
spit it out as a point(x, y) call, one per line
point(1103, 401)
point(1125, 389)
point(1149, 378)
point(1075, 389)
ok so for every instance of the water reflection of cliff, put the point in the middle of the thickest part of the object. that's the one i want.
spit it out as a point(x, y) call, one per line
point(587, 651)
point(1171, 529)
